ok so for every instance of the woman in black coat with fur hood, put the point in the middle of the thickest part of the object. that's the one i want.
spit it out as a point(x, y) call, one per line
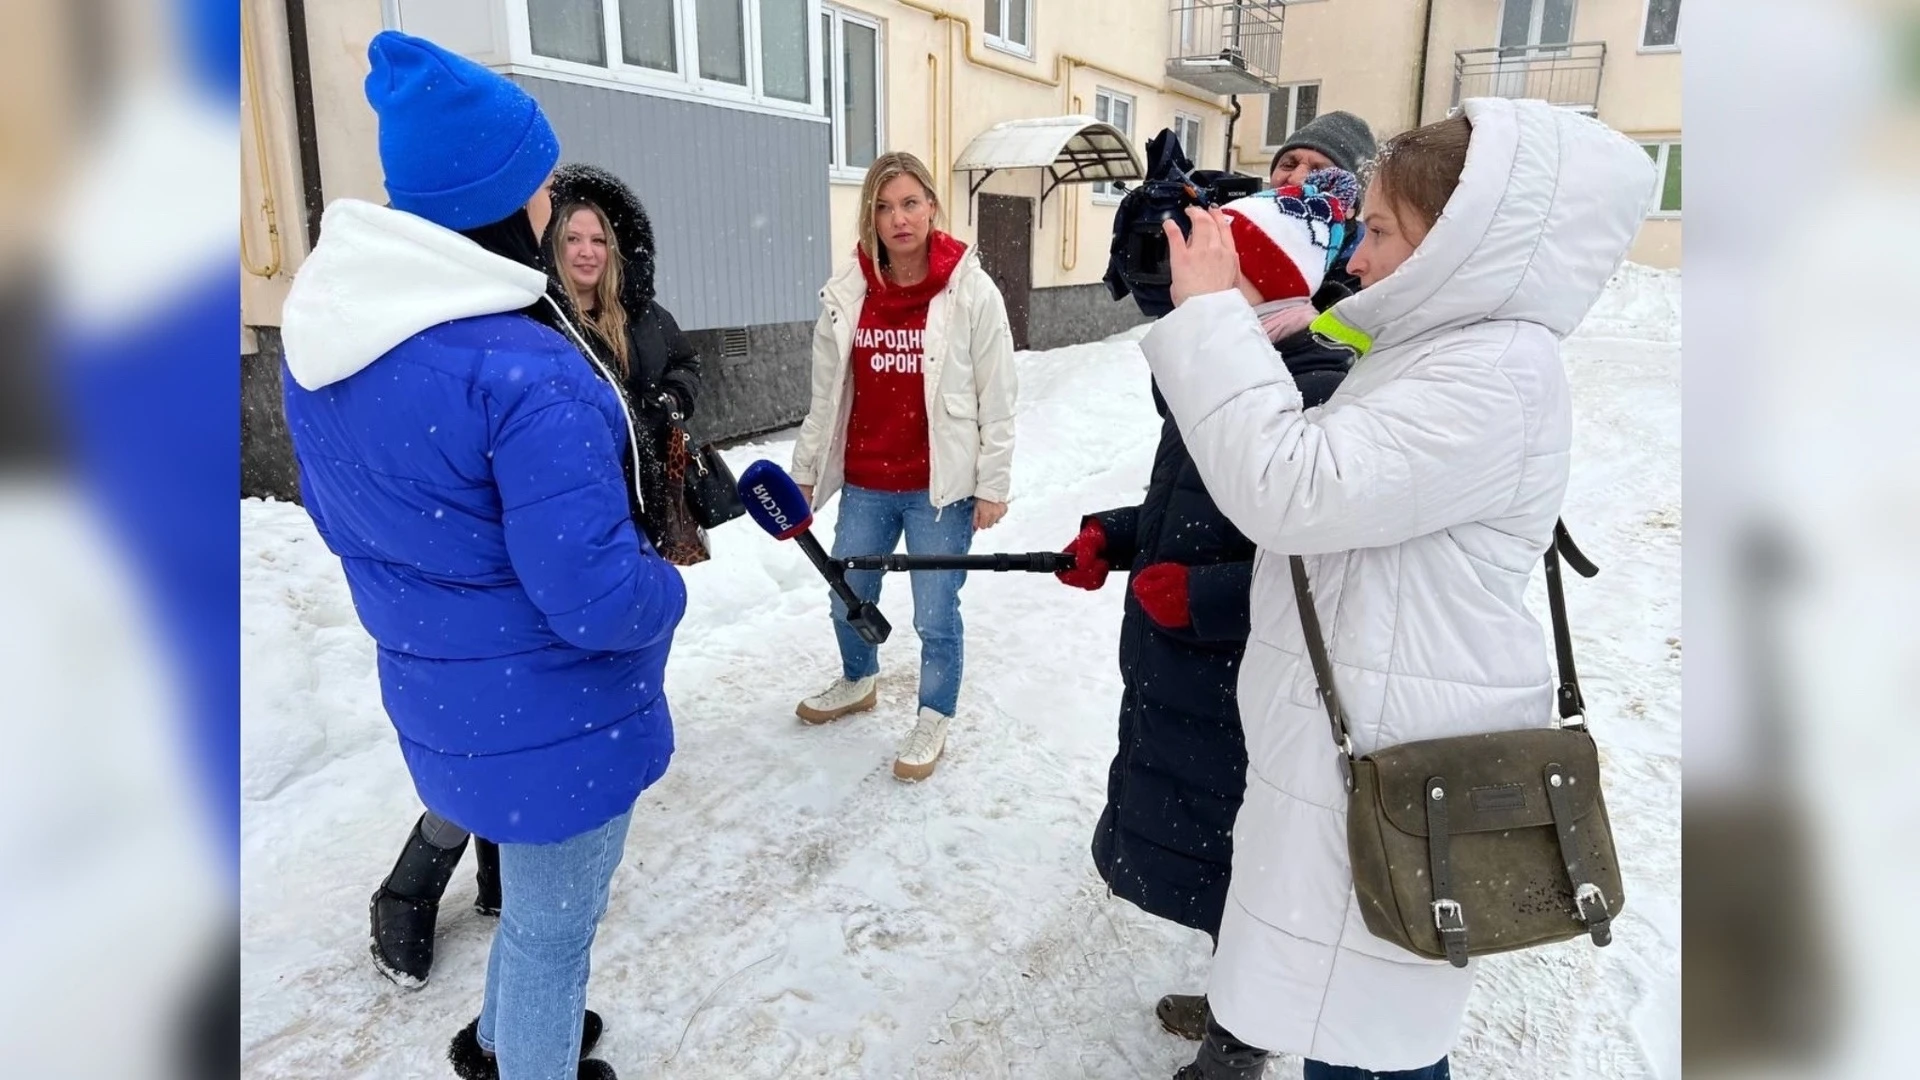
point(600, 246)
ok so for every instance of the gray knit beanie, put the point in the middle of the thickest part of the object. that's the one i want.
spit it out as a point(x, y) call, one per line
point(1341, 136)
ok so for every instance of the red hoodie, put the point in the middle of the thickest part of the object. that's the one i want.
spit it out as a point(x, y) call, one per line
point(887, 434)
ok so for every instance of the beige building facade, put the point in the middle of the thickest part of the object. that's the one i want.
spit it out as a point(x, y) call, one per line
point(929, 76)
point(745, 126)
point(1400, 63)
point(1395, 63)
point(948, 81)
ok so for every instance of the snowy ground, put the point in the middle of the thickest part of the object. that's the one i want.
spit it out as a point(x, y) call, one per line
point(787, 909)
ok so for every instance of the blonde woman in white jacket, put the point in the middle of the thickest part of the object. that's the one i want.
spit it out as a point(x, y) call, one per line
point(1422, 495)
point(912, 424)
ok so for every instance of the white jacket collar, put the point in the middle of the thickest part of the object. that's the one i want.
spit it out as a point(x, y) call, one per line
point(380, 276)
point(1547, 208)
point(847, 287)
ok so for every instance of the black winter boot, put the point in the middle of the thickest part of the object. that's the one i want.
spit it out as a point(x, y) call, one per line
point(1223, 1057)
point(470, 1062)
point(487, 875)
point(406, 907)
point(1184, 1015)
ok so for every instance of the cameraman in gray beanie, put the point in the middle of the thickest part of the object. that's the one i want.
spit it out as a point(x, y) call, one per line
point(1338, 139)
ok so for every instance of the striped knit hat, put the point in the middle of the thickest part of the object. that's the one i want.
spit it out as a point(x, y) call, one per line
point(1288, 237)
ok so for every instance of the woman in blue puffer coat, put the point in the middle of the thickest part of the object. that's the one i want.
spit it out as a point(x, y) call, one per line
point(462, 454)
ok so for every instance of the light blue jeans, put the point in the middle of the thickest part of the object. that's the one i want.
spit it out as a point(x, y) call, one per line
point(871, 523)
point(552, 898)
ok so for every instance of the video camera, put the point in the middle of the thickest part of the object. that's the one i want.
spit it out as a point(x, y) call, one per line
point(1138, 262)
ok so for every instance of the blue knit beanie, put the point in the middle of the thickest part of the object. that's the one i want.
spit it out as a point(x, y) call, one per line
point(460, 145)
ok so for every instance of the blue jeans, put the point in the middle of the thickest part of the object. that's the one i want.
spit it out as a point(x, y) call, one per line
point(1315, 1070)
point(870, 524)
point(552, 898)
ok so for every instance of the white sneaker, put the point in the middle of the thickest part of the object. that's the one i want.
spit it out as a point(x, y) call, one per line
point(922, 747)
point(840, 699)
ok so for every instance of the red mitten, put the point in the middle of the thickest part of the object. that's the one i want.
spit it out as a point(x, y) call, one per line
point(1162, 592)
point(1089, 569)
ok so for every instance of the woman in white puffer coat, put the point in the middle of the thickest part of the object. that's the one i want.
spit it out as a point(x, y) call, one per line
point(1422, 495)
point(911, 424)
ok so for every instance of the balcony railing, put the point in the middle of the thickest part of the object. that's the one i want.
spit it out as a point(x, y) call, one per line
point(1227, 46)
point(1566, 75)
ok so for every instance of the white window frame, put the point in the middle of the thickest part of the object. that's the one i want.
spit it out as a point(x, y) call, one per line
point(1005, 44)
point(1660, 168)
point(1292, 90)
point(1536, 22)
point(1199, 126)
point(1103, 191)
point(684, 84)
point(837, 170)
point(1679, 29)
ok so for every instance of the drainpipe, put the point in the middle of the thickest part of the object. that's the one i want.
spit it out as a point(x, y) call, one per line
point(1232, 119)
point(256, 108)
point(310, 185)
point(1070, 218)
point(1420, 74)
point(933, 118)
point(953, 140)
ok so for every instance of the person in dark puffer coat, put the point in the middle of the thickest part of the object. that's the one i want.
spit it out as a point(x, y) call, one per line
point(1165, 839)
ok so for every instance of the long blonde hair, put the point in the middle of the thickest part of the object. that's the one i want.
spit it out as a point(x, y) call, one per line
point(885, 169)
point(610, 324)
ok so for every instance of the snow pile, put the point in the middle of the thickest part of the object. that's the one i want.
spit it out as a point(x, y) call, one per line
point(788, 909)
point(327, 706)
point(1640, 303)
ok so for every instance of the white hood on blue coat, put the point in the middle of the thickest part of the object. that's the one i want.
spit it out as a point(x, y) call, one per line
point(380, 276)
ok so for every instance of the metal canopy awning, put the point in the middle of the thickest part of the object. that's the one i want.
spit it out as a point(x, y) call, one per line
point(1068, 150)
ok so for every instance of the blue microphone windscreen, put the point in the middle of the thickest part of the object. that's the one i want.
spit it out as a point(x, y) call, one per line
point(774, 500)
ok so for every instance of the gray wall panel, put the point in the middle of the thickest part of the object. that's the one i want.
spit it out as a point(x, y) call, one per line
point(738, 199)
point(768, 389)
point(1076, 314)
point(267, 466)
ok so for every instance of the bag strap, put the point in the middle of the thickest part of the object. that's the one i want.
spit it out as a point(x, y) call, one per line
point(1571, 703)
point(678, 456)
point(1448, 916)
point(1322, 666)
point(1587, 897)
